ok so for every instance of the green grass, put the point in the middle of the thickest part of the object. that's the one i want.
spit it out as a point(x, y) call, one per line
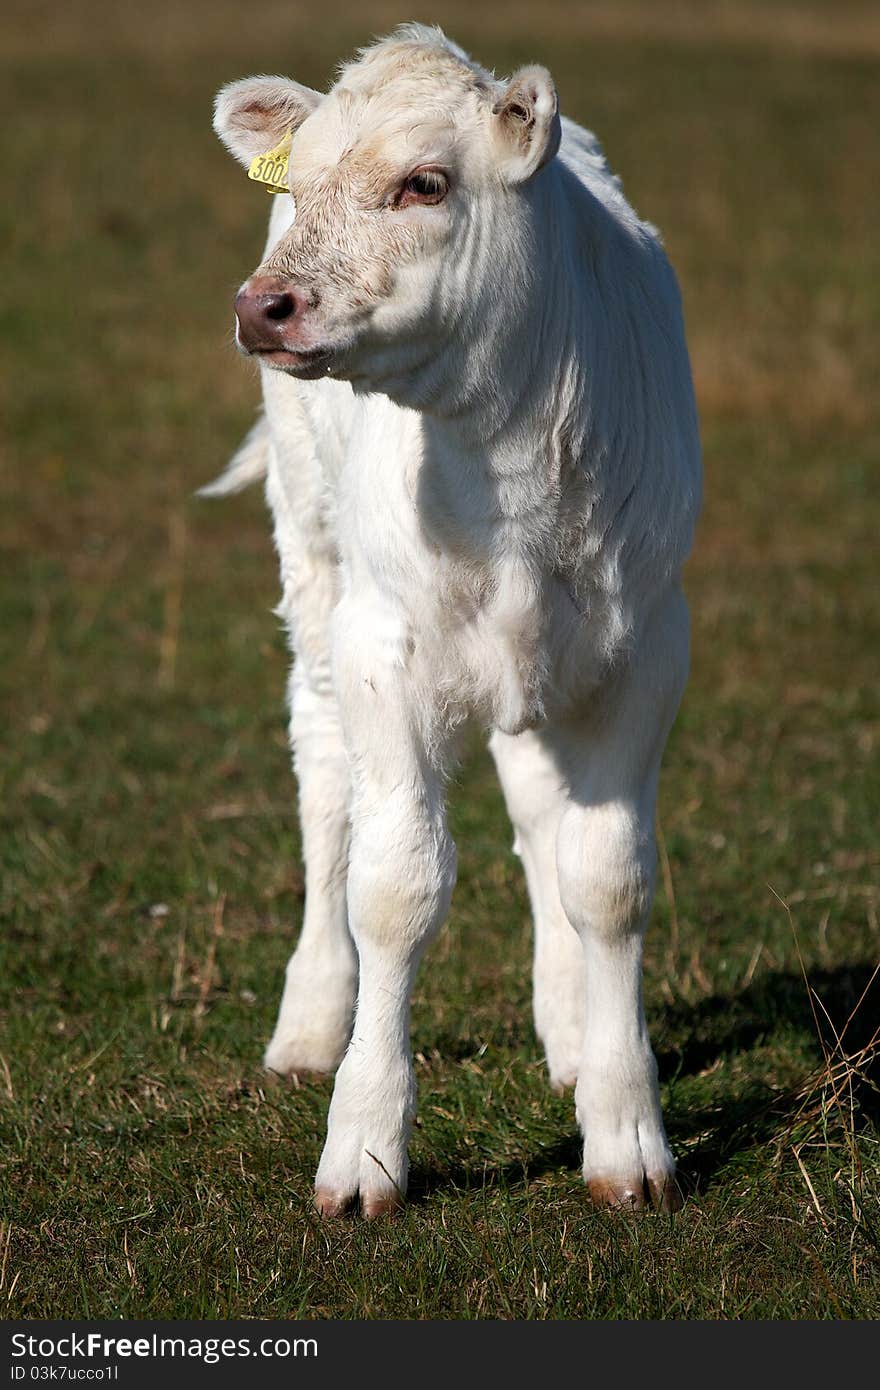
point(146, 1170)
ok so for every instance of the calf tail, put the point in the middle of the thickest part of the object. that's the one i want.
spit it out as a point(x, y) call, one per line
point(248, 464)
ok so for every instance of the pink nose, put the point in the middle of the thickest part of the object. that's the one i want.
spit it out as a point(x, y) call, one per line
point(265, 309)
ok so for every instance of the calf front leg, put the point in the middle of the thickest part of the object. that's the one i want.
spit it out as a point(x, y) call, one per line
point(400, 880)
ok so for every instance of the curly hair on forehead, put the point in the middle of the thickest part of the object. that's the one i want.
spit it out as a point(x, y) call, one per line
point(420, 52)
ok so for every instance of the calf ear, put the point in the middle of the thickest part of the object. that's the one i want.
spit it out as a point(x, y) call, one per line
point(525, 124)
point(253, 115)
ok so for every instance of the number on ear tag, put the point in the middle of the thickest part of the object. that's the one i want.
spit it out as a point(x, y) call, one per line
point(270, 169)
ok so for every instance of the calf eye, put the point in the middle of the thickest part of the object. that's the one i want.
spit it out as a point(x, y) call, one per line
point(422, 186)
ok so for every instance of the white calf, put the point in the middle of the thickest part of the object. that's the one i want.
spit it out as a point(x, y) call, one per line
point(483, 464)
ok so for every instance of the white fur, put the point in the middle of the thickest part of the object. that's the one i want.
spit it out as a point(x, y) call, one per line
point(481, 513)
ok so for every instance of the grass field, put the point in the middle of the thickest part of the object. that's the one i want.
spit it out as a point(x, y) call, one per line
point(151, 887)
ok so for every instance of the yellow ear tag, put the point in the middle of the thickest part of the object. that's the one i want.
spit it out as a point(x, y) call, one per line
point(270, 169)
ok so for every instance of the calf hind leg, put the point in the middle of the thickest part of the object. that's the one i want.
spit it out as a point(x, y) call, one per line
point(606, 861)
point(606, 873)
point(536, 797)
point(314, 1020)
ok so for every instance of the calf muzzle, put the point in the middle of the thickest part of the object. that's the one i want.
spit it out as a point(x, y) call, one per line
point(266, 310)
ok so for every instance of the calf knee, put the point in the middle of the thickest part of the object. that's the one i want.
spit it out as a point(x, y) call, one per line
point(606, 861)
point(400, 881)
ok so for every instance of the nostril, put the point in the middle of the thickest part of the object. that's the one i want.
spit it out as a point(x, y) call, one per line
point(279, 306)
point(266, 313)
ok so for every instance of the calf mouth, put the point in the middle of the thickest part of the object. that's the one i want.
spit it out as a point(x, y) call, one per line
point(305, 363)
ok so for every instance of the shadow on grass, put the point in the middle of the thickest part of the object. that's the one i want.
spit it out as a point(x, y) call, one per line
point(711, 1136)
point(840, 1020)
point(690, 1037)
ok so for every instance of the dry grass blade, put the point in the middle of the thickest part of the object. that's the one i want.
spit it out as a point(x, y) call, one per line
point(206, 976)
point(5, 1241)
point(810, 1188)
point(830, 1091)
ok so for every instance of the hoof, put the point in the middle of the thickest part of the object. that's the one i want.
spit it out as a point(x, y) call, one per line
point(373, 1208)
point(329, 1204)
point(665, 1193)
point(642, 1194)
point(332, 1204)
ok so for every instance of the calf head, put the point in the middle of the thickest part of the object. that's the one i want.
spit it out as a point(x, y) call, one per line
point(407, 227)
